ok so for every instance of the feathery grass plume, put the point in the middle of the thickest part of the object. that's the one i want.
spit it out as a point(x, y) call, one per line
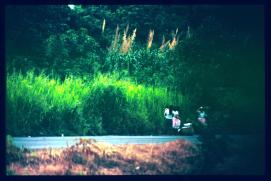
point(103, 26)
point(188, 34)
point(174, 41)
point(127, 29)
point(127, 41)
point(124, 38)
point(124, 45)
point(164, 44)
point(164, 40)
point(150, 39)
point(176, 31)
point(116, 38)
point(132, 38)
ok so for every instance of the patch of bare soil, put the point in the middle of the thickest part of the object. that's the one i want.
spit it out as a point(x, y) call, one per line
point(91, 158)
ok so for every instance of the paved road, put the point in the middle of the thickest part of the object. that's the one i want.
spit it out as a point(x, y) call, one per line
point(62, 142)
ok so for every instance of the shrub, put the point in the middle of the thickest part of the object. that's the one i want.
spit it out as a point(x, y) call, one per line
point(69, 52)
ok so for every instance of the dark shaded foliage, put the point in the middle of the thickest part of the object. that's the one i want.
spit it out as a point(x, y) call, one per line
point(220, 63)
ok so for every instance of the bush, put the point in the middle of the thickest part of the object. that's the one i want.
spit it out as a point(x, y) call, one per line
point(69, 53)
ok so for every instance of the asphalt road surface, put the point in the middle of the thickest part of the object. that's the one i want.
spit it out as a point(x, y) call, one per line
point(63, 142)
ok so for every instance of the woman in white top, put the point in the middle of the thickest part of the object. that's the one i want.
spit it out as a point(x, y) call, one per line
point(168, 120)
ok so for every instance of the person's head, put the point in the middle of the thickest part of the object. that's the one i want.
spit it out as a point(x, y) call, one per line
point(200, 109)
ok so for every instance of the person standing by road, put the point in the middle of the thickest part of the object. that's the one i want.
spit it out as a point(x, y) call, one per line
point(176, 122)
point(202, 116)
point(168, 119)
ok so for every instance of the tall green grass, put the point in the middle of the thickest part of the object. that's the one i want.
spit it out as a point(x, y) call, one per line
point(106, 104)
point(38, 105)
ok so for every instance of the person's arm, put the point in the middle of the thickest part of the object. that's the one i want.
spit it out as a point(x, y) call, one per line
point(166, 112)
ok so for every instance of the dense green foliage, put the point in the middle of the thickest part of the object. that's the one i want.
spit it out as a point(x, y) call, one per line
point(98, 70)
point(38, 105)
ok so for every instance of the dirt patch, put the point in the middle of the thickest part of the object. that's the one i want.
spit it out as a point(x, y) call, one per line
point(90, 158)
point(173, 158)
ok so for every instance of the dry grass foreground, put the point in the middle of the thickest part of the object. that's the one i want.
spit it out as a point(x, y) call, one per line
point(91, 158)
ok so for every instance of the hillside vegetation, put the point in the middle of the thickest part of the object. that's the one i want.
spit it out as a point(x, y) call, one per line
point(95, 70)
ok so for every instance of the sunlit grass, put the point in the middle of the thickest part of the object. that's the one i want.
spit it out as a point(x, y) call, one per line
point(47, 92)
point(37, 99)
point(134, 91)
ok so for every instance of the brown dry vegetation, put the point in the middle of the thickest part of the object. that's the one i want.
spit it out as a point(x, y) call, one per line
point(87, 157)
point(90, 158)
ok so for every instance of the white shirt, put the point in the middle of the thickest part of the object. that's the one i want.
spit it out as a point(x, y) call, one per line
point(167, 115)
